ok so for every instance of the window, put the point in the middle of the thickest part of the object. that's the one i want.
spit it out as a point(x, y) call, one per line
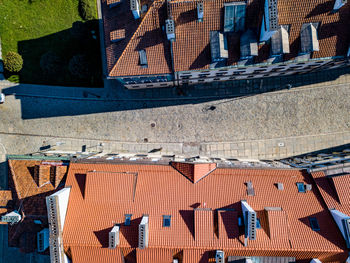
point(166, 221)
point(234, 17)
point(314, 224)
point(127, 219)
point(258, 225)
point(301, 187)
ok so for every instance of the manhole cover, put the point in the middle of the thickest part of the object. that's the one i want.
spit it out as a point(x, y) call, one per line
point(145, 140)
point(153, 125)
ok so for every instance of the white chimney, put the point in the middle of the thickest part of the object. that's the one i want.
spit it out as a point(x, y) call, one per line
point(200, 11)
point(250, 219)
point(113, 240)
point(135, 8)
point(170, 29)
point(343, 223)
point(219, 256)
point(315, 260)
point(269, 24)
point(143, 232)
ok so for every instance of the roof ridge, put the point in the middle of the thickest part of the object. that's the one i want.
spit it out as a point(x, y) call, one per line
point(134, 35)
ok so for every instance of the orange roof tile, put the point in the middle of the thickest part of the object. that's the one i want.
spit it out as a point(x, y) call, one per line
point(191, 49)
point(333, 191)
point(342, 186)
point(83, 255)
point(194, 171)
point(5, 196)
point(161, 190)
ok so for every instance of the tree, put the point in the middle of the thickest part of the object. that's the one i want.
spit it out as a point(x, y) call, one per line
point(13, 62)
point(87, 9)
point(50, 63)
point(79, 66)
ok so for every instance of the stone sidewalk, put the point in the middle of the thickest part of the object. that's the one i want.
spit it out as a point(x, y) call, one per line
point(269, 149)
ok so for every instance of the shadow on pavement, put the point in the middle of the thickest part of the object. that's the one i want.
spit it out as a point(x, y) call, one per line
point(69, 101)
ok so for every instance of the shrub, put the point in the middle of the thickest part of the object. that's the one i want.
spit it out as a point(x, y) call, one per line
point(50, 63)
point(13, 62)
point(79, 66)
point(87, 9)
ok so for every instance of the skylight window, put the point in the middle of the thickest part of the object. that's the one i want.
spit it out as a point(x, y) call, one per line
point(314, 224)
point(301, 187)
point(258, 225)
point(127, 219)
point(166, 220)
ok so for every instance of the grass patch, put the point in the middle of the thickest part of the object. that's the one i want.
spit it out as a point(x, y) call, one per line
point(35, 27)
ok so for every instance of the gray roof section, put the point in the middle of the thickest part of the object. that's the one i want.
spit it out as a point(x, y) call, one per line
point(248, 44)
point(218, 46)
point(280, 41)
point(308, 38)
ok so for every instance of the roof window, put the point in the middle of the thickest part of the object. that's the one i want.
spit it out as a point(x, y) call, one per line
point(166, 220)
point(314, 224)
point(234, 16)
point(301, 187)
point(258, 225)
point(127, 219)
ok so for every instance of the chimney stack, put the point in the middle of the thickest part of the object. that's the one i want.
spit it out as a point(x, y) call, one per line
point(200, 11)
point(135, 8)
point(113, 237)
point(339, 4)
point(143, 232)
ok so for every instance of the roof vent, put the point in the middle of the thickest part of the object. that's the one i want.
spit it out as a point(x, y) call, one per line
point(170, 29)
point(218, 46)
point(338, 4)
point(200, 11)
point(234, 19)
point(250, 189)
point(280, 186)
point(219, 256)
point(113, 240)
point(135, 8)
point(143, 232)
point(249, 216)
point(308, 37)
point(308, 187)
point(143, 58)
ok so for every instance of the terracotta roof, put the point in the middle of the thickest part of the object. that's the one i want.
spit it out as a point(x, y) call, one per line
point(25, 184)
point(161, 190)
point(194, 171)
point(342, 186)
point(334, 190)
point(5, 196)
point(191, 49)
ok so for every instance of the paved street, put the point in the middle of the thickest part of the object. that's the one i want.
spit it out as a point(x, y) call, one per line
point(266, 126)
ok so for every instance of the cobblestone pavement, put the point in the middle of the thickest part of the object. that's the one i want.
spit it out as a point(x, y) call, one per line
point(270, 125)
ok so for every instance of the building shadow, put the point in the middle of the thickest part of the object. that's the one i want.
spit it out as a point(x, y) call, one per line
point(46, 59)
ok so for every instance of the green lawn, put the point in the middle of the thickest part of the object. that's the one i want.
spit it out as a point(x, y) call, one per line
point(35, 27)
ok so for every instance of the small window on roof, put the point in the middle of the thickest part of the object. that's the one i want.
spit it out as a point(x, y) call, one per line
point(166, 220)
point(314, 224)
point(301, 187)
point(258, 225)
point(127, 219)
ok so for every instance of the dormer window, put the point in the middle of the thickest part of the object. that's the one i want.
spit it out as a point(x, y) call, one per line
point(166, 220)
point(301, 187)
point(127, 219)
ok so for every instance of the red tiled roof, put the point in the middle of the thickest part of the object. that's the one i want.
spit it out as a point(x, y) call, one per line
point(194, 171)
point(342, 186)
point(332, 188)
point(161, 190)
point(83, 255)
point(191, 49)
